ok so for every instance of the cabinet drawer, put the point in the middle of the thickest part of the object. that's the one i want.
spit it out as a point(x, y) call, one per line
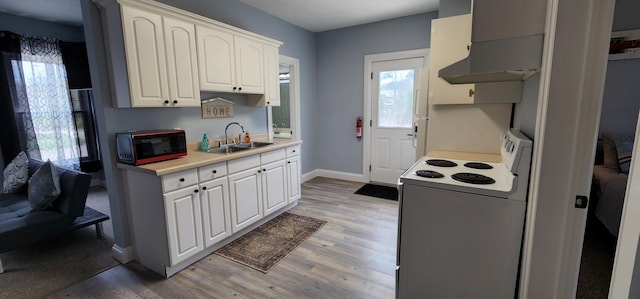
point(213, 171)
point(179, 180)
point(272, 156)
point(243, 163)
point(293, 150)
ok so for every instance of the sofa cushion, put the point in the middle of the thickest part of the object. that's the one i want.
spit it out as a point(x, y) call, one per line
point(16, 174)
point(44, 187)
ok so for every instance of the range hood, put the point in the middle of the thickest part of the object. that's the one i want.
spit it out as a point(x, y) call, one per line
point(508, 59)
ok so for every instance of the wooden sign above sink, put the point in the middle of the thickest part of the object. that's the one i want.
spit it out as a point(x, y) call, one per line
point(217, 107)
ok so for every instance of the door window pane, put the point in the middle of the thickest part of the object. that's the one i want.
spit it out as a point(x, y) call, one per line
point(395, 99)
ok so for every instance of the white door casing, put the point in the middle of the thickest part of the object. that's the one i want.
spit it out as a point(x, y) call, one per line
point(294, 98)
point(392, 139)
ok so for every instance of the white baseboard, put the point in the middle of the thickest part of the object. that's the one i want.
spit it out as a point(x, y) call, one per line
point(347, 176)
point(123, 255)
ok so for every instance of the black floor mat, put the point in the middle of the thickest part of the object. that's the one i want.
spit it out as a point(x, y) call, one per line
point(385, 192)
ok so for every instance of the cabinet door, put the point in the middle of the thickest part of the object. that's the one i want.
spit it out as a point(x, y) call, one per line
point(245, 194)
point(216, 59)
point(272, 81)
point(216, 216)
point(274, 186)
point(182, 63)
point(249, 66)
point(293, 178)
point(146, 60)
point(449, 40)
point(184, 223)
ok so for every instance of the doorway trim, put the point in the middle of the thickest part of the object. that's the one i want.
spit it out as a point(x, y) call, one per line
point(294, 97)
point(367, 105)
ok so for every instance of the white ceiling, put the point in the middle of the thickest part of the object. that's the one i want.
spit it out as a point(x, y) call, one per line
point(313, 15)
point(317, 16)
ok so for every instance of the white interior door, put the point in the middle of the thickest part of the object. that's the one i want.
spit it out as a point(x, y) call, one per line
point(392, 117)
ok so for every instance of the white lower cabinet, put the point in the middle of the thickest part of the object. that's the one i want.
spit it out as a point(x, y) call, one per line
point(274, 186)
point(293, 178)
point(245, 192)
point(184, 223)
point(203, 207)
point(216, 210)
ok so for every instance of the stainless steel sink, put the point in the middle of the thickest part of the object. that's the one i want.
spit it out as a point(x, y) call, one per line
point(229, 149)
point(254, 144)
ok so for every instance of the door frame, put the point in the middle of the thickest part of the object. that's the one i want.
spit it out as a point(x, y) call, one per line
point(368, 99)
point(294, 97)
point(570, 97)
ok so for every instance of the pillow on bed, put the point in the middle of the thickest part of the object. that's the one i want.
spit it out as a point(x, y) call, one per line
point(610, 156)
point(624, 148)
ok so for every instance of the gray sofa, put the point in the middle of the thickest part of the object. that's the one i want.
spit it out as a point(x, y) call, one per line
point(20, 226)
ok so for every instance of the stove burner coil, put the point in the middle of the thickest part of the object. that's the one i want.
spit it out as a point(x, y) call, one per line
point(429, 174)
point(441, 163)
point(473, 178)
point(478, 165)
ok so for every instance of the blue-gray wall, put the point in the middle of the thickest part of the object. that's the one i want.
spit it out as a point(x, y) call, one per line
point(621, 91)
point(340, 66)
point(33, 27)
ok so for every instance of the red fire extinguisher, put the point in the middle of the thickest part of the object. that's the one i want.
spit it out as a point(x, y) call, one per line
point(359, 128)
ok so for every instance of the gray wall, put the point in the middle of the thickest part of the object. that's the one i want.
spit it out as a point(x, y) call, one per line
point(33, 27)
point(340, 65)
point(621, 101)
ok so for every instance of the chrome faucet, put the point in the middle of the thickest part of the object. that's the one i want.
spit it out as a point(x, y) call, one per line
point(227, 128)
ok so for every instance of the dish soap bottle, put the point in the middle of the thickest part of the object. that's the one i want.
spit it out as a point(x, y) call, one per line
point(204, 145)
point(247, 139)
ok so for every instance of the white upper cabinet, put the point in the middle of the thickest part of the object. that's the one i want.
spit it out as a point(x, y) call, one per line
point(161, 59)
point(228, 62)
point(161, 56)
point(216, 57)
point(450, 40)
point(182, 63)
point(146, 58)
point(249, 66)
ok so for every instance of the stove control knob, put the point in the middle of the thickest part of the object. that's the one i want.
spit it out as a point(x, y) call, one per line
point(511, 147)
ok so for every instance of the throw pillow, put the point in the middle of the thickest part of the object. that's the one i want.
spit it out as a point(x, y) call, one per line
point(624, 149)
point(16, 174)
point(44, 187)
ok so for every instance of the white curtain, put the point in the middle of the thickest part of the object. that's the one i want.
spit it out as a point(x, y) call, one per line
point(49, 121)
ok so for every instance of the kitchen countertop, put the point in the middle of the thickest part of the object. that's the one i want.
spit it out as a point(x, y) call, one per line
point(196, 158)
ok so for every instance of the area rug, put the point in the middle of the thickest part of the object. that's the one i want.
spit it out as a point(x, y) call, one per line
point(379, 191)
point(270, 243)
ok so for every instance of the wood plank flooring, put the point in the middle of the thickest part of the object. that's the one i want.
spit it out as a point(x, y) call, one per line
point(352, 256)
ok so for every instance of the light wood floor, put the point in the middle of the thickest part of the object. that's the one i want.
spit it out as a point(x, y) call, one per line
point(352, 256)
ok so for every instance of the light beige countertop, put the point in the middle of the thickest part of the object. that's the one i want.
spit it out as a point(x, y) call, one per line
point(196, 158)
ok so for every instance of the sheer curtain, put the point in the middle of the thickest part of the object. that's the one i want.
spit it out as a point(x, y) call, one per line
point(44, 103)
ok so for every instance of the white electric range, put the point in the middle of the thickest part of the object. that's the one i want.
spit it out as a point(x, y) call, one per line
point(461, 224)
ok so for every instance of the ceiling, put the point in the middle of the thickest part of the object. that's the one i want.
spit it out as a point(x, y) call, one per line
point(313, 15)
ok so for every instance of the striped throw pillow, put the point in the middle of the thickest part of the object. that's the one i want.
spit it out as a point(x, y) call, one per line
point(624, 148)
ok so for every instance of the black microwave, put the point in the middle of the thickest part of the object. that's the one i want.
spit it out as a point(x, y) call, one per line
point(142, 147)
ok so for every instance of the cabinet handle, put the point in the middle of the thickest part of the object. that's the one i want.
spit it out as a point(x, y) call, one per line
point(166, 101)
point(196, 191)
point(259, 171)
point(182, 179)
point(268, 102)
point(294, 151)
point(471, 92)
point(204, 187)
point(234, 88)
point(214, 171)
point(264, 170)
point(239, 88)
point(175, 101)
point(288, 162)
